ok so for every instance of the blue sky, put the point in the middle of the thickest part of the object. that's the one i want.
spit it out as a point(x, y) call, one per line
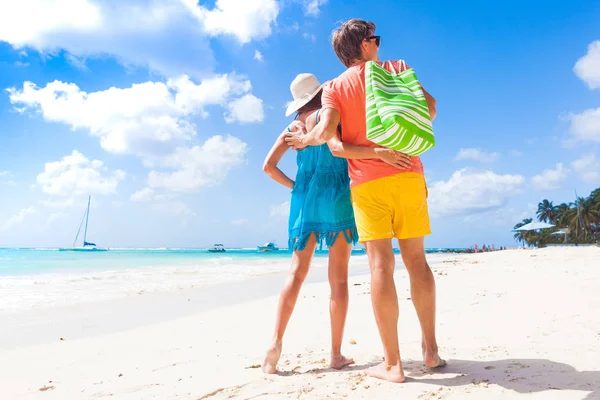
point(164, 110)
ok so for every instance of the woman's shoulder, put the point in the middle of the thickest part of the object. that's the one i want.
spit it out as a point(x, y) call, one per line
point(310, 119)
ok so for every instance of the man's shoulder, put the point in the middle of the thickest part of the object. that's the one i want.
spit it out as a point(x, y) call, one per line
point(345, 78)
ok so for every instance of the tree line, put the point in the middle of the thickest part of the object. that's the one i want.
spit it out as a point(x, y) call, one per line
point(579, 219)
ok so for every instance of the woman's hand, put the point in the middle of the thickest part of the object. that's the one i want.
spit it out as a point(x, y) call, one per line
point(393, 157)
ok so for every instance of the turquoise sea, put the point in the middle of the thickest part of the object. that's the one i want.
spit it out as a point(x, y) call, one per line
point(25, 261)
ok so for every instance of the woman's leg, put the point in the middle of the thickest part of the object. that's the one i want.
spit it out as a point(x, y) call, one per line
point(339, 257)
point(287, 300)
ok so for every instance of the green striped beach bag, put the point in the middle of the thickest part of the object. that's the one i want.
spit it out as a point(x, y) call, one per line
point(397, 112)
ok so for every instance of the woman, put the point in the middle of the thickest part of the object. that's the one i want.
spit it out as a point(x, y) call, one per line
point(320, 211)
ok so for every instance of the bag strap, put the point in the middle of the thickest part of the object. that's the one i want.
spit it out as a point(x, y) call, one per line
point(295, 118)
point(393, 69)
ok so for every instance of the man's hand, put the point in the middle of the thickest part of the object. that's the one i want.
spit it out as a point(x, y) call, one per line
point(395, 158)
point(295, 139)
point(297, 126)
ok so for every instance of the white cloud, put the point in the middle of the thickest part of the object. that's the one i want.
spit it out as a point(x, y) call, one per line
point(587, 67)
point(242, 221)
point(246, 20)
point(170, 37)
point(59, 203)
point(477, 155)
point(586, 126)
point(76, 175)
point(167, 203)
point(517, 153)
point(588, 168)
point(176, 208)
point(17, 219)
point(149, 119)
point(472, 191)
point(5, 178)
point(167, 37)
point(503, 217)
point(550, 179)
point(246, 109)
point(309, 36)
point(145, 194)
point(199, 166)
point(312, 7)
point(258, 56)
point(53, 217)
point(148, 195)
point(280, 210)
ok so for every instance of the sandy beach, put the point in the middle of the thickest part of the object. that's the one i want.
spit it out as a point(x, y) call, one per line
point(512, 324)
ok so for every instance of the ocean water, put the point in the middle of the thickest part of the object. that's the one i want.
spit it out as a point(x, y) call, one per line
point(37, 279)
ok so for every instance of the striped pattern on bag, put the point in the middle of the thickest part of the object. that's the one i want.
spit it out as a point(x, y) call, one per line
point(397, 112)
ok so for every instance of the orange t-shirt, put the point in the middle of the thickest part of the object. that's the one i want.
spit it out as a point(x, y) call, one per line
point(346, 94)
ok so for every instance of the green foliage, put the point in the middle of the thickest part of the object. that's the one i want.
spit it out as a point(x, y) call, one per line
point(580, 219)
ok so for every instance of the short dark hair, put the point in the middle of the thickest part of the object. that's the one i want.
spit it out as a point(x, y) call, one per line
point(313, 104)
point(348, 38)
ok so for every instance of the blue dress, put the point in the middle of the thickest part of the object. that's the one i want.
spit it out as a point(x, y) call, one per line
point(320, 202)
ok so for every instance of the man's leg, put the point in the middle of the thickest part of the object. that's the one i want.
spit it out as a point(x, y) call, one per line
point(385, 307)
point(422, 289)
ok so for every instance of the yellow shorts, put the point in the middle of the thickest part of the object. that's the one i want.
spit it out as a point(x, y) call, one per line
point(391, 207)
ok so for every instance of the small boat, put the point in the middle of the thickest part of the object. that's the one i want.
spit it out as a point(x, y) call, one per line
point(268, 247)
point(87, 246)
point(217, 248)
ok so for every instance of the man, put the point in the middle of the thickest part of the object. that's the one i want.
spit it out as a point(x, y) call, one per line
point(388, 202)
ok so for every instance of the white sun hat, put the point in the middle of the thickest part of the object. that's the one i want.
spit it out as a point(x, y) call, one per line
point(304, 88)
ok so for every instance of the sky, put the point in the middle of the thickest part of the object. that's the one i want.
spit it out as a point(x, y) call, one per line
point(163, 112)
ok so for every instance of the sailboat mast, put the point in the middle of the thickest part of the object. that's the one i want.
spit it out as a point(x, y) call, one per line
point(87, 217)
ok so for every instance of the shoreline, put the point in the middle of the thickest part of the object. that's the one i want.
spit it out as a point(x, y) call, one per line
point(506, 323)
point(88, 319)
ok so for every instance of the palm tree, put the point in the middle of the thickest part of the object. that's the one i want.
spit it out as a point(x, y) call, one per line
point(546, 211)
point(595, 199)
point(521, 236)
point(583, 217)
point(560, 213)
point(580, 218)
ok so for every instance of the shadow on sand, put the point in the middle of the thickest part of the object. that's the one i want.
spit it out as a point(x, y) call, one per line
point(520, 375)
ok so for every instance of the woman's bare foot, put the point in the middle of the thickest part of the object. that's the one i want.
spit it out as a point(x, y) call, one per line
point(339, 361)
point(383, 371)
point(433, 360)
point(269, 366)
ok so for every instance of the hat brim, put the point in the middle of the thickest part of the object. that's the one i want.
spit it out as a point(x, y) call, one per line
point(299, 103)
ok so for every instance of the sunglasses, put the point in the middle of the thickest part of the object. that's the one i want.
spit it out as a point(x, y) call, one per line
point(377, 39)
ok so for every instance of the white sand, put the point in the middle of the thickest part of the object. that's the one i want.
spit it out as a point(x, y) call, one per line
point(512, 324)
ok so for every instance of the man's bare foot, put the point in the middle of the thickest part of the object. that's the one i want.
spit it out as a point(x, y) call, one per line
point(383, 371)
point(339, 361)
point(433, 360)
point(269, 366)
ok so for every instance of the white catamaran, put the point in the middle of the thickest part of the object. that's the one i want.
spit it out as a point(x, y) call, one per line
point(87, 246)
